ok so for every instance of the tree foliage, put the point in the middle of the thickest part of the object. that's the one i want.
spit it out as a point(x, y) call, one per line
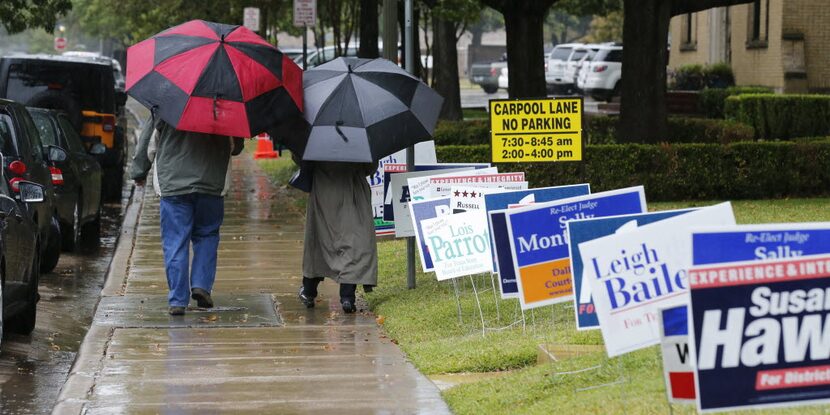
point(19, 15)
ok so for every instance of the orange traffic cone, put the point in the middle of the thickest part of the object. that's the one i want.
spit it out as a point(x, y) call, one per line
point(265, 148)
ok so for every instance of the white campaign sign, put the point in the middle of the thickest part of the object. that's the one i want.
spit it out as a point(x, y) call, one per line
point(634, 273)
point(305, 13)
point(419, 186)
point(399, 189)
point(459, 244)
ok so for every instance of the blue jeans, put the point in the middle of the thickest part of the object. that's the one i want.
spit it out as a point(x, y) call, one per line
point(195, 218)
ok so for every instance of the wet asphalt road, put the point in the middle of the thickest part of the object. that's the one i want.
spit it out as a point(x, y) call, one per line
point(33, 368)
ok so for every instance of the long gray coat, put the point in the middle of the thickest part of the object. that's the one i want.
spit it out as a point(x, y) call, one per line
point(340, 230)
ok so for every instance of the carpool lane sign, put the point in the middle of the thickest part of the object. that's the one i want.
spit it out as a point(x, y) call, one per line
point(533, 130)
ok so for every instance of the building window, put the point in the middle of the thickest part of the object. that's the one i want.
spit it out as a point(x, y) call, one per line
point(688, 33)
point(758, 25)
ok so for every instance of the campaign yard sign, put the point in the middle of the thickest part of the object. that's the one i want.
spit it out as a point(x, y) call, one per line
point(379, 180)
point(761, 332)
point(495, 204)
point(633, 274)
point(584, 230)
point(440, 185)
point(539, 241)
point(470, 196)
point(459, 244)
point(765, 241)
point(421, 210)
point(400, 199)
point(393, 168)
point(677, 358)
point(419, 186)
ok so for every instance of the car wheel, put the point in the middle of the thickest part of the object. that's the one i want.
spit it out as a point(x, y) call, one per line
point(72, 235)
point(91, 234)
point(615, 92)
point(52, 253)
point(24, 322)
point(490, 89)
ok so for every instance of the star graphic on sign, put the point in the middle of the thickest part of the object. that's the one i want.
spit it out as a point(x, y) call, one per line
point(457, 193)
point(473, 194)
point(465, 193)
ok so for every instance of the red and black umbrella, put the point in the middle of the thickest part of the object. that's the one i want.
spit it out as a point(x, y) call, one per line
point(215, 78)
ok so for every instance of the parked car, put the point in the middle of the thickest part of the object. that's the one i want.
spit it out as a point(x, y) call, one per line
point(78, 184)
point(557, 61)
point(602, 80)
point(85, 89)
point(486, 75)
point(27, 159)
point(19, 259)
point(574, 65)
point(317, 57)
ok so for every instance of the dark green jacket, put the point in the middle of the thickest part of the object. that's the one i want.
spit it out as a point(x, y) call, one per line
point(185, 162)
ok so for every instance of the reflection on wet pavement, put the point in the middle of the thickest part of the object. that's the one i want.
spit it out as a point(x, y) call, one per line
point(33, 368)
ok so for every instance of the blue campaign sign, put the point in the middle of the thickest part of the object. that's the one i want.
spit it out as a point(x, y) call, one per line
point(498, 201)
point(539, 240)
point(675, 321)
point(760, 332)
point(500, 241)
point(388, 212)
point(422, 210)
point(756, 242)
point(587, 230)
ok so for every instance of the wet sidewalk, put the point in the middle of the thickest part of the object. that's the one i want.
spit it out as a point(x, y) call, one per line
point(258, 351)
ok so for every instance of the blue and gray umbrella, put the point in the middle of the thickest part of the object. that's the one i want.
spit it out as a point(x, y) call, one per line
point(361, 110)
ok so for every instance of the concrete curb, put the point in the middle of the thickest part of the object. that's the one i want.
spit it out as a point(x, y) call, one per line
point(79, 383)
point(78, 386)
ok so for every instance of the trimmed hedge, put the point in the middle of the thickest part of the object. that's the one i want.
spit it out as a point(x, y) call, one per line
point(682, 171)
point(781, 117)
point(711, 100)
point(602, 129)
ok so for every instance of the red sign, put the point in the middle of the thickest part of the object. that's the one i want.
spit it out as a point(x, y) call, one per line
point(60, 43)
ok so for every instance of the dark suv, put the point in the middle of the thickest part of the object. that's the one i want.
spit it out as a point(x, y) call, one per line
point(86, 91)
point(25, 158)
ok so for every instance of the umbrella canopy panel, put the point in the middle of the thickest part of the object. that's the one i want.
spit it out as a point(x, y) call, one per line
point(365, 109)
point(214, 78)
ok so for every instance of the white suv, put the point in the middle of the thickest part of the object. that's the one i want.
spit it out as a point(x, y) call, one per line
point(557, 60)
point(602, 77)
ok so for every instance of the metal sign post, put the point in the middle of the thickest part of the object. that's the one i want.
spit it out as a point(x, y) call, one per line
point(305, 15)
point(410, 152)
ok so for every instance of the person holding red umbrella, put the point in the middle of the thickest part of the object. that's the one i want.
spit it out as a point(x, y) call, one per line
point(204, 83)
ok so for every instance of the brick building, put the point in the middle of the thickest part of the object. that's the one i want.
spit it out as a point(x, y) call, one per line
point(784, 44)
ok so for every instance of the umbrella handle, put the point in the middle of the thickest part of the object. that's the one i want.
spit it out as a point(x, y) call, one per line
point(214, 107)
point(339, 131)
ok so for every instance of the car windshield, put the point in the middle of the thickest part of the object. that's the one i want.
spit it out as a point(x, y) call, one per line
point(608, 55)
point(560, 53)
point(92, 86)
point(46, 128)
point(578, 54)
point(72, 138)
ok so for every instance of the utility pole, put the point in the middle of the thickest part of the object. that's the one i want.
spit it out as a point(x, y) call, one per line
point(410, 152)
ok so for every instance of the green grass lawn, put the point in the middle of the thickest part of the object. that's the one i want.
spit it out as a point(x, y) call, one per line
point(425, 323)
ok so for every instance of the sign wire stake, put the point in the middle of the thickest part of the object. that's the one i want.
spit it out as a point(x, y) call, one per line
point(478, 303)
point(496, 298)
point(457, 301)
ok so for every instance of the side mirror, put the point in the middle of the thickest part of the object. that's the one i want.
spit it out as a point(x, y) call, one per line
point(120, 98)
point(57, 154)
point(30, 192)
point(97, 149)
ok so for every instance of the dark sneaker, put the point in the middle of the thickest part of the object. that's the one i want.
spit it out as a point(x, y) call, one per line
point(202, 298)
point(306, 300)
point(175, 311)
point(348, 306)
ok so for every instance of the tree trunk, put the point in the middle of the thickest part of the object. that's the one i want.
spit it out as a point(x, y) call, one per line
point(525, 50)
point(643, 84)
point(445, 67)
point(369, 29)
point(477, 33)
